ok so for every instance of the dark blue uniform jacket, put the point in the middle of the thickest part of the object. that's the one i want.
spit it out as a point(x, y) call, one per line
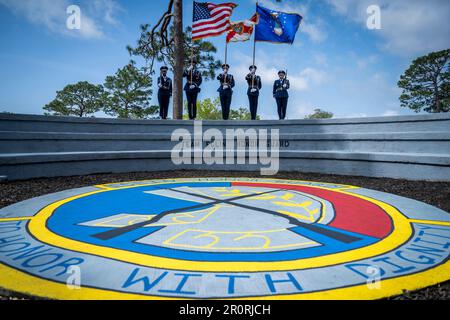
point(196, 78)
point(228, 79)
point(253, 84)
point(279, 91)
point(166, 88)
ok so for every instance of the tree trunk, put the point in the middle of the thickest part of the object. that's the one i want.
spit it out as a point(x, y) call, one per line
point(178, 61)
point(436, 97)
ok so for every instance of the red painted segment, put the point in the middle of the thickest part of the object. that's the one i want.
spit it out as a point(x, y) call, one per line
point(351, 213)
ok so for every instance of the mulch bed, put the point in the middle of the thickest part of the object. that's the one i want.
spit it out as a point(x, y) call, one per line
point(433, 193)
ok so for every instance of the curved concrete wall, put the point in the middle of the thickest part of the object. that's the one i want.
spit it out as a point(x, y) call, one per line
point(411, 147)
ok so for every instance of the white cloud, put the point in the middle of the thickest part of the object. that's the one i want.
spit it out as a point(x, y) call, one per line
point(314, 76)
point(389, 113)
point(300, 80)
point(363, 63)
point(363, 94)
point(408, 27)
point(44, 12)
point(109, 8)
point(89, 29)
point(321, 59)
point(300, 110)
point(51, 14)
point(355, 115)
point(285, 6)
point(315, 31)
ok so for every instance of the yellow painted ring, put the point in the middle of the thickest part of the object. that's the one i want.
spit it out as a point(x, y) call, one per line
point(21, 282)
point(15, 280)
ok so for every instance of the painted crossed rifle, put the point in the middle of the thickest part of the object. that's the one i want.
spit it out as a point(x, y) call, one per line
point(334, 234)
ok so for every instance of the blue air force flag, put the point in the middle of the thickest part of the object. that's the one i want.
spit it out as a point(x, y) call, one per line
point(276, 26)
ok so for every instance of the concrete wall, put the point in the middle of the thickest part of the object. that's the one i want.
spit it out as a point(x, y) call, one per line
point(411, 147)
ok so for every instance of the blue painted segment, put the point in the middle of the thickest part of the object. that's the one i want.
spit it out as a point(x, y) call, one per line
point(66, 220)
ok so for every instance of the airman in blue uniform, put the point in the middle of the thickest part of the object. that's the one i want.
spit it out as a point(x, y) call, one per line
point(280, 93)
point(192, 88)
point(164, 92)
point(254, 85)
point(225, 91)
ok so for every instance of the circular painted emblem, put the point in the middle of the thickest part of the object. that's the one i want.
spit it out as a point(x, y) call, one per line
point(222, 238)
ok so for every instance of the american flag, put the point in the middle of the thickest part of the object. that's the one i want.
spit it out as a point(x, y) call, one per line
point(210, 19)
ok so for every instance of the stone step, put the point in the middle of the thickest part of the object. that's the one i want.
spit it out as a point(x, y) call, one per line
point(419, 158)
point(408, 147)
point(418, 142)
point(397, 165)
point(32, 123)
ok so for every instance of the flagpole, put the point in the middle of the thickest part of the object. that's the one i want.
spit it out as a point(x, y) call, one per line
point(226, 51)
point(254, 51)
point(192, 62)
point(226, 57)
point(254, 37)
point(254, 46)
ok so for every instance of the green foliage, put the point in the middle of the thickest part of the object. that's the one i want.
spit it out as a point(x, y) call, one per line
point(153, 49)
point(242, 114)
point(426, 83)
point(152, 112)
point(208, 109)
point(80, 99)
point(320, 114)
point(129, 93)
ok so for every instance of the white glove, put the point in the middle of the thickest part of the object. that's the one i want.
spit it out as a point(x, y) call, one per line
point(225, 86)
point(253, 90)
point(285, 85)
point(190, 68)
point(191, 86)
point(160, 85)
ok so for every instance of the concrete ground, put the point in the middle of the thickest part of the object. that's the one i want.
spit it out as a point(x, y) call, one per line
point(433, 193)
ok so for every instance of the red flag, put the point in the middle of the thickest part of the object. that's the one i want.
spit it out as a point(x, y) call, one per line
point(242, 30)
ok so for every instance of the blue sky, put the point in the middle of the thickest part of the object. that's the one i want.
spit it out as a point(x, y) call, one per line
point(336, 62)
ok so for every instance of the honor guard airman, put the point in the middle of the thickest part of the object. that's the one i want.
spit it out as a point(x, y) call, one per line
point(225, 90)
point(164, 92)
point(192, 88)
point(280, 93)
point(254, 85)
